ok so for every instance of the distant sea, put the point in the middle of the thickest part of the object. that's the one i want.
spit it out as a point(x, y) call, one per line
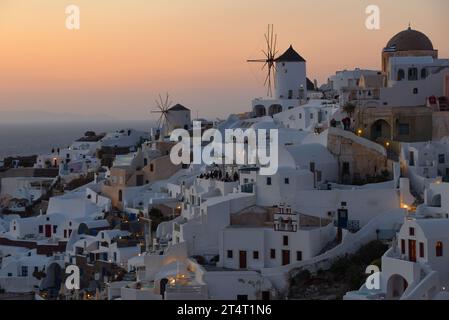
point(20, 139)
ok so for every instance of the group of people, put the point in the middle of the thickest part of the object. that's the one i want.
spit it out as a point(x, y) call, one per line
point(345, 121)
point(217, 174)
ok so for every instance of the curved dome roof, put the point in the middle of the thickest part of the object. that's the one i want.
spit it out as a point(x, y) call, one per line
point(409, 40)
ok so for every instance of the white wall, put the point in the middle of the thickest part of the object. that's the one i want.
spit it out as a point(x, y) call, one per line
point(290, 76)
point(362, 204)
point(226, 285)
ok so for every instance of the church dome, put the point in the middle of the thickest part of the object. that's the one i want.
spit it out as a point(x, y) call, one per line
point(409, 40)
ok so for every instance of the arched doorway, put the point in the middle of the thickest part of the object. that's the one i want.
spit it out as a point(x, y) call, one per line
point(396, 286)
point(52, 280)
point(436, 201)
point(275, 108)
point(380, 129)
point(260, 110)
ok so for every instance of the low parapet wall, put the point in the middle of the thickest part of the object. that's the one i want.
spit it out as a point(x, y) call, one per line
point(41, 248)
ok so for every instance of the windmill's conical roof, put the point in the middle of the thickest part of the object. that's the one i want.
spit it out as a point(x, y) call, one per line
point(178, 107)
point(290, 56)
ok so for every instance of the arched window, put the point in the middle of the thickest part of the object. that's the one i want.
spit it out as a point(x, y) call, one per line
point(423, 73)
point(260, 111)
point(412, 74)
point(120, 195)
point(274, 109)
point(401, 75)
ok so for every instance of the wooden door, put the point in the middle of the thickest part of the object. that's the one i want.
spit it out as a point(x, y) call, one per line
point(412, 250)
point(285, 257)
point(242, 259)
point(48, 230)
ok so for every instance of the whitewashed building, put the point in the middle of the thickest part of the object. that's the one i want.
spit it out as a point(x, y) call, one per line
point(416, 267)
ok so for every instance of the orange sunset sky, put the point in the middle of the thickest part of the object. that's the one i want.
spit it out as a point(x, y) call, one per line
point(128, 51)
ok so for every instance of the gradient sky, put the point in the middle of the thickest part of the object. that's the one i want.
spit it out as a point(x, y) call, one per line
point(128, 51)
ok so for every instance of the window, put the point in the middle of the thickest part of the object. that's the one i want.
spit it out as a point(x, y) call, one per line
point(120, 195)
point(402, 246)
point(36, 269)
point(421, 250)
point(229, 254)
point(242, 297)
point(256, 255)
point(298, 255)
point(318, 176)
point(41, 229)
point(401, 75)
point(439, 249)
point(290, 94)
point(441, 158)
point(412, 74)
point(311, 116)
point(287, 181)
point(272, 253)
point(245, 181)
point(300, 116)
point(55, 228)
point(268, 181)
point(312, 166)
point(404, 128)
point(285, 240)
point(151, 167)
point(415, 90)
point(411, 231)
point(344, 203)
point(423, 73)
point(345, 170)
point(24, 271)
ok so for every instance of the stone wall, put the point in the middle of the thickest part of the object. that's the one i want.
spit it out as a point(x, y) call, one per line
point(364, 162)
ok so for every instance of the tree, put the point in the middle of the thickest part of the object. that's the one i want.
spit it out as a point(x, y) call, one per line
point(349, 108)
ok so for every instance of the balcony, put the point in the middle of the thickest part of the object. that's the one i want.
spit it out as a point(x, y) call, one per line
point(395, 262)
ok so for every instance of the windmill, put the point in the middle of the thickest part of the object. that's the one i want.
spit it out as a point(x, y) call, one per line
point(163, 107)
point(269, 60)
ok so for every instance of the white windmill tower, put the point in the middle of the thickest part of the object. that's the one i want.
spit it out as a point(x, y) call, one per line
point(286, 74)
point(163, 106)
point(171, 117)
